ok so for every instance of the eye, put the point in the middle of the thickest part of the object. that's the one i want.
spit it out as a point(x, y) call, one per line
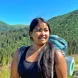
point(46, 30)
point(38, 30)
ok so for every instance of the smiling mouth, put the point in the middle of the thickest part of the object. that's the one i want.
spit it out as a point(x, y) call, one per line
point(42, 38)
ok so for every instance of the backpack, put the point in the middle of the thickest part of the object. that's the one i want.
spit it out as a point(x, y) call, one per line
point(61, 44)
point(58, 43)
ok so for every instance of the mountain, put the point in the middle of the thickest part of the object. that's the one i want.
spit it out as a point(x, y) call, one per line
point(4, 26)
point(65, 25)
point(18, 26)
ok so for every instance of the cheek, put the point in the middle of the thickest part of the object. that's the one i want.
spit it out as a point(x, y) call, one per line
point(48, 34)
point(35, 35)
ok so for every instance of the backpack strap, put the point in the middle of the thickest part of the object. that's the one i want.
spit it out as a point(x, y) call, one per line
point(21, 51)
point(59, 43)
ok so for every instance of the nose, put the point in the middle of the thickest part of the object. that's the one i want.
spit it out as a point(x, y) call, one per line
point(42, 33)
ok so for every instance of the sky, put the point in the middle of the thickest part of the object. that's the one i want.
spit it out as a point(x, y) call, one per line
point(23, 11)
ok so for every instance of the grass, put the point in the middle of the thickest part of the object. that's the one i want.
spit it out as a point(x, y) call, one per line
point(70, 77)
point(76, 58)
point(5, 73)
point(76, 65)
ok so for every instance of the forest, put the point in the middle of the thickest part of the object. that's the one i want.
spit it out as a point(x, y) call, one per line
point(15, 36)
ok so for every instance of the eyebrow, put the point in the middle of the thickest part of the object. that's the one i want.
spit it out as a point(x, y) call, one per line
point(42, 28)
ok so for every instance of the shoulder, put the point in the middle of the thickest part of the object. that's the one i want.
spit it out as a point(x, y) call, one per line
point(14, 65)
point(20, 50)
point(58, 53)
point(15, 56)
point(60, 65)
point(18, 53)
point(59, 57)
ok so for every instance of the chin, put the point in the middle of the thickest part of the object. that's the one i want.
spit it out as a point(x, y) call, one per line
point(41, 44)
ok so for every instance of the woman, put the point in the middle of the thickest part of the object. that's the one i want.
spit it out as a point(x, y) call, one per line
point(40, 60)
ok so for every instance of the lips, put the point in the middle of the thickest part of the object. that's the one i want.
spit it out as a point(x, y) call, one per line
point(42, 38)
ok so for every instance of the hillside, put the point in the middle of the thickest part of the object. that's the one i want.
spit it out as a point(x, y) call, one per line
point(65, 25)
point(18, 26)
point(4, 27)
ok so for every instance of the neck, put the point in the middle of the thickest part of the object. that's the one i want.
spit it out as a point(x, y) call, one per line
point(38, 47)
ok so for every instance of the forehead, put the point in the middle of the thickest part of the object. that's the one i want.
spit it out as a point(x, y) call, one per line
point(42, 25)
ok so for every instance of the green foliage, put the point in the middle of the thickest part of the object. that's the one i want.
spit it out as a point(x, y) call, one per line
point(66, 26)
point(18, 26)
point(70, 77)
point(4, 27)
point(76, 59)
point(10, 41)
point(5, 72)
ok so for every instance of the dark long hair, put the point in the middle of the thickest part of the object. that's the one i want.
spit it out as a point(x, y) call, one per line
point(35, 22)
point(46, 61)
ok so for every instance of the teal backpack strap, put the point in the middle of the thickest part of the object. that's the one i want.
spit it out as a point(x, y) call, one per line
point(21, 51)
point(59, 43)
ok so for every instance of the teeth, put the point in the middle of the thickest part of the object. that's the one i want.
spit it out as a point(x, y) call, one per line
point(42, 38)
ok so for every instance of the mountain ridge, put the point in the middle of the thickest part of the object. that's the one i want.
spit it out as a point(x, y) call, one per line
point(66, 21)
point(65, 24)
point(4, 27)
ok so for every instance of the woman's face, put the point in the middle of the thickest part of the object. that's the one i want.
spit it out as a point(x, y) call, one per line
point(40, 34)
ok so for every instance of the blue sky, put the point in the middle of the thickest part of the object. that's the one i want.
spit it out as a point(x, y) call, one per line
point(23, 11)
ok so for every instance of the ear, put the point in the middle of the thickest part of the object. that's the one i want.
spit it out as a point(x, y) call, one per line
point(30, 34)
